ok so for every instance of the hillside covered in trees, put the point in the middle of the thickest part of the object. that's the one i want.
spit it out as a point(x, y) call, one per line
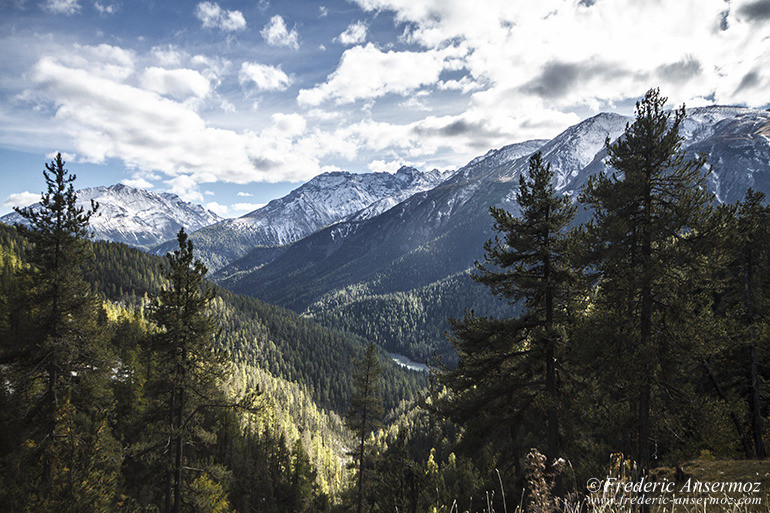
point(631, 320)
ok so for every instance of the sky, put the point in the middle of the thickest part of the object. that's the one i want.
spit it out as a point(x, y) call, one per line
point(232, 103)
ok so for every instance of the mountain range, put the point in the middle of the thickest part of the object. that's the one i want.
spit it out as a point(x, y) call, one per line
point(397, 277)
point(323, 201)
point(389, 256)
point(136, 217)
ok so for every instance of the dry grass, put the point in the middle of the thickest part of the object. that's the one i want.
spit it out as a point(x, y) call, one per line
point(611, 497)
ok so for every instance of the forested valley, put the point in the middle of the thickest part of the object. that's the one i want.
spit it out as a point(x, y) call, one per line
point(635, 341)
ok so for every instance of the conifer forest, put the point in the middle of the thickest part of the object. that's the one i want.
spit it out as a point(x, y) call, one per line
point(620, 332)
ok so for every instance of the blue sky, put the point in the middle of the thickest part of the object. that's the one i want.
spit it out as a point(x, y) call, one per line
point(232, 103)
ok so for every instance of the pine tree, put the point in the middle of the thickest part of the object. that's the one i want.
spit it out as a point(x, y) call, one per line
point(63, 366)
point(366, 409)
point(643, 239)
point(746, 304)
point(189, 367)
point(504, 364)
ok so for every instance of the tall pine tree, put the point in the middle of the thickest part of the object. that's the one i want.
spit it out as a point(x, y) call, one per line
point(746, 304)
point(365, 414)
point(191, 368)
point(506, 365)
point(643, 244)
point(61, 362)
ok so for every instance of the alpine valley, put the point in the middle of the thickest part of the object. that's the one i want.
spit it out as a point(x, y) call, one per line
point(291, 377)
point(397, 277)
point(389, 256)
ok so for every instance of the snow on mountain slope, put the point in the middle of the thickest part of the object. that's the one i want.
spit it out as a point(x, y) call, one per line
point(137, 217)
point(453, 216)
point(331, 197)
point(324, 200)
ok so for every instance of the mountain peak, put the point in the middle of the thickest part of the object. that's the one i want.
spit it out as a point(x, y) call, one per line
point(136, 217)
point(407, 170)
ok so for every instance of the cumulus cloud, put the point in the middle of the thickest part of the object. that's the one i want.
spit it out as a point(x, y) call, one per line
point(275, 33)
point(138, 182)
point(242, 194)
point(265, 78)
point(21, 199)
point(388, 167)
point(176, 83)
point(220, 210)
point(367, 72)
point(168, 55)
point(525, 83)
point(212, 15)
point(67, 7)
point(66, 157)
point(354, 34)
point(110, 107)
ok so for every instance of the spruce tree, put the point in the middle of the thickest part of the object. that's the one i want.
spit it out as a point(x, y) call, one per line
point(643, 243)
point(505, 365)
point(366, 410)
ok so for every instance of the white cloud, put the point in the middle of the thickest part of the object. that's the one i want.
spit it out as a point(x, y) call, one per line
point(388, 167)
point(168, 55)
point(105, 9)
point(354, 34)
point(524, 83)
point(213, 16)
point(21, 199)
point(415, 103)
point(108, 111)
point(67, 7)
point(209, 193)
point(266, 78)
point(220, 210)
point(246, 207)
point(277, 34)
point(288, 124)
point(66, 157)
point(323, 11)
point(138, 182)
point(186, 187)
point(367, 72)
point(176, 83)
point(104, 61)
point(242, 194)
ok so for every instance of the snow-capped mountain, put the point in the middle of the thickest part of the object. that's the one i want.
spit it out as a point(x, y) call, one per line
point(137, 217)
point(329, 198)
point(326, 199)
point(429, 241)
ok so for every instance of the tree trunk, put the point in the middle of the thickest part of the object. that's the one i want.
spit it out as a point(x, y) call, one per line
point(361, 465)
point(179, 447)
point(756, 414)
point(645, 331)
point(170, 469)
point(733, 416)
